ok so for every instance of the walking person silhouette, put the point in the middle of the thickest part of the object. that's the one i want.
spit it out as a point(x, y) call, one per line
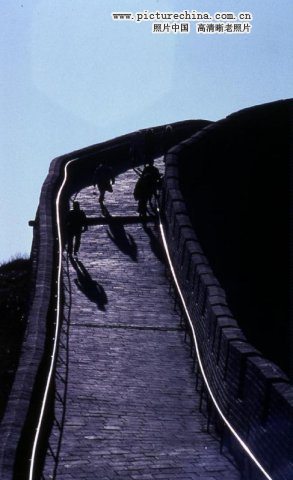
point(104, 179)
point(153, 172)
point(142, 193)
point(76, 224)
point(146, 187)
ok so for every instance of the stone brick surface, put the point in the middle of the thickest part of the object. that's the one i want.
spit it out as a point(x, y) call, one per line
point(126, 403)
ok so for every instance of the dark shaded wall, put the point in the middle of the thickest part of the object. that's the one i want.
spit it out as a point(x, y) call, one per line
point(235, 181)
point(252, 392)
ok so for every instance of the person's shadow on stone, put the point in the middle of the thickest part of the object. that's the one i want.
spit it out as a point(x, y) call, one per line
point(155, 245)
point(105, 210)
point(89, 287)
point(116, 232)
point(124, 241)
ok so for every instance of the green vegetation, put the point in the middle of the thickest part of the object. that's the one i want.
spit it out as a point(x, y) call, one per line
point(14, 292)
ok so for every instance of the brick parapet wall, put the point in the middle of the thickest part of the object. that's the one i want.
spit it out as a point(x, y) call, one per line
point(252, 392)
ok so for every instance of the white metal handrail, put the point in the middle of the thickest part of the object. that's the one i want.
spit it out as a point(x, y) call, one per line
point(200, 363)
point(57, 325)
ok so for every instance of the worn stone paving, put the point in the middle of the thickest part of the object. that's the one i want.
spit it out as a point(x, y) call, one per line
point(126, 402)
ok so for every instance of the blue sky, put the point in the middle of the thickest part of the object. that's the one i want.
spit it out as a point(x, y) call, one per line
point(71, 77)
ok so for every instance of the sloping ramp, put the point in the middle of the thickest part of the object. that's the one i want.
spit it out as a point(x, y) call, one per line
point(126, 404)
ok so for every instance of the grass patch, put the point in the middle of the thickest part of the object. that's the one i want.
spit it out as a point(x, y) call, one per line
point(14, 293)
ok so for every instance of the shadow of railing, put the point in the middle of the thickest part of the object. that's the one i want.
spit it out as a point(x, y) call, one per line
point(60, 385)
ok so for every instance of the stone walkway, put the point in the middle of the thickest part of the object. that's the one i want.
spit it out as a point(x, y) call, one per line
point(126, 402)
